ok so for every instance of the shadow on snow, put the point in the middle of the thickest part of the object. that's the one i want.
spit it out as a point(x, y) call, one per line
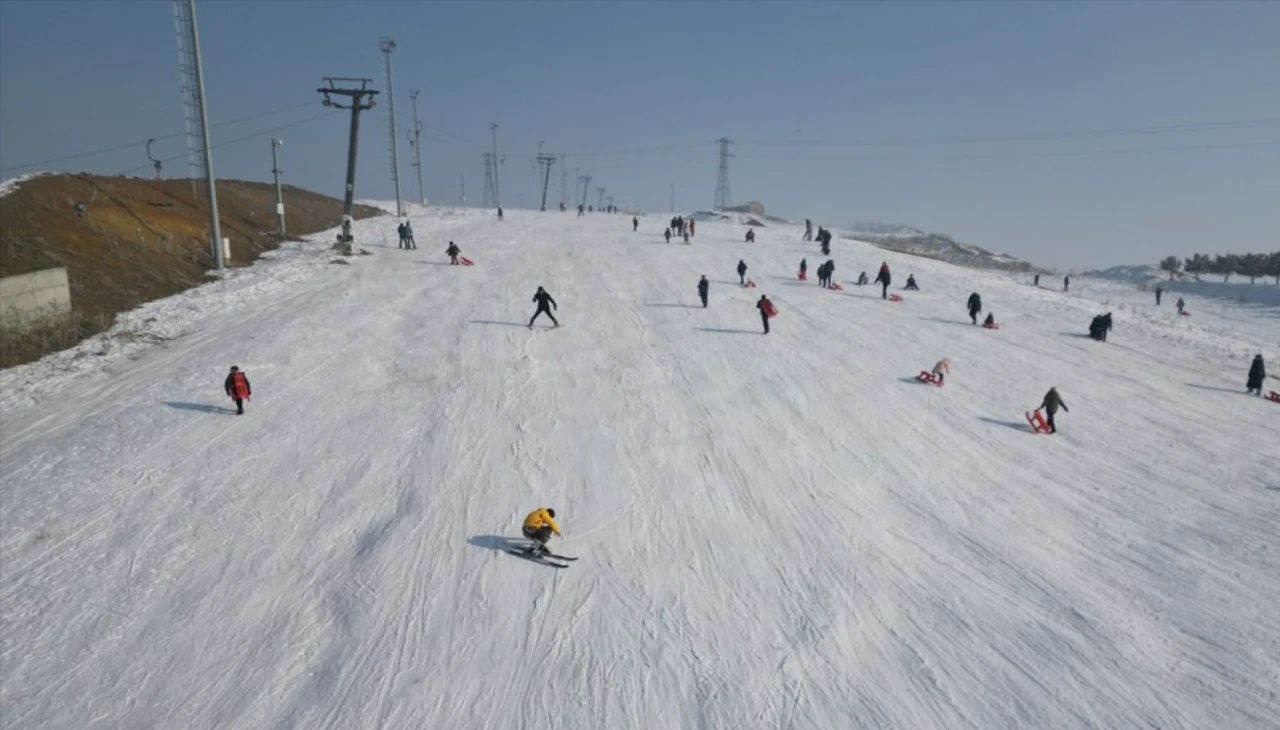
point(201, 407)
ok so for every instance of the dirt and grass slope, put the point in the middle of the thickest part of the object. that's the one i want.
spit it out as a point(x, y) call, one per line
point(125, 241)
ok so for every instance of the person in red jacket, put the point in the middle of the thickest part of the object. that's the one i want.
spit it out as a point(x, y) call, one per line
point(237, 386)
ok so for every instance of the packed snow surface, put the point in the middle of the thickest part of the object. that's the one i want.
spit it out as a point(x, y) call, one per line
point(782, 531)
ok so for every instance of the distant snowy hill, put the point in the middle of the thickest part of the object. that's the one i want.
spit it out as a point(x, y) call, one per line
point(905, 239)
point(1136, 274)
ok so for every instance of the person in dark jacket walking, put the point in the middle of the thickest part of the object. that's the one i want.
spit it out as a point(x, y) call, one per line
point(1052, 402)
point(581, 211)
point(499, 212)
point(822, 275)
point(1037, 283)
point(742, 272)
point(751, 235)
point(1100, 326)
point(635, 224)
point(975, 306)
point(667, 235)
point(704, 287)
point(1257, 374)
point(237, 387)
point(545, 304)
point(453, 252)
point(1159, 291)
point(1066, 283)
point(883, 279)
point(1181, 305)
point(400, 230)
point(831, 271)
point(764, 305)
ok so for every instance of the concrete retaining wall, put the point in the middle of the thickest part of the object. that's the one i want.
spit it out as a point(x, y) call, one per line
point(34, 295)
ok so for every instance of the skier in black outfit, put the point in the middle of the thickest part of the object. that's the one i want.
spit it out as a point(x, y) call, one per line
point(545, 304)
point(975, 306)
point(742, 272)
point(704, 287)
point(1257, 374)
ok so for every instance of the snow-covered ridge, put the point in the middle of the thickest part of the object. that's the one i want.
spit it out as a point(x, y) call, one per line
point(905, 239)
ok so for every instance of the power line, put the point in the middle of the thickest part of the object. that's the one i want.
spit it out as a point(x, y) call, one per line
point(1016, 155)
point(237, 140)
point(1036, 137)
point(117, 148)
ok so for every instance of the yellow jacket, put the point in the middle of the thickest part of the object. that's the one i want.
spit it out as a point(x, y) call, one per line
point(539, 517)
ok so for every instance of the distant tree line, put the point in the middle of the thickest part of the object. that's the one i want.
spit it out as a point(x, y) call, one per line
point(1252, 265)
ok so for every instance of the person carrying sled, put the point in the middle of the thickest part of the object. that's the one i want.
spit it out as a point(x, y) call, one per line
point(883, 279)
point(942, 370)
point(453, 252)
point(704, 288)
point(911, 283)
point(1052, 402)
point(1257, 374)
point(751, 235)
point(237, 386)
point(635, 224)
point(975, 306)
point(545, 305)
point(764, 305)
point(742, 272)
point(538, 526)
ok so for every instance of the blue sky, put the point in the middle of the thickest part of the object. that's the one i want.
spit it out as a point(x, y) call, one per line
point(636, 94)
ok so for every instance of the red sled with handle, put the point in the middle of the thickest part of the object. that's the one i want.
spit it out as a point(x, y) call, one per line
point(1037, 422)
point(835, 287)
point(895, 298)
point(1185, 313)
point(466, 261)
point(1273, 396)
point(750, 284)
point(992, 326)
point(927, 377)
point(770, 310)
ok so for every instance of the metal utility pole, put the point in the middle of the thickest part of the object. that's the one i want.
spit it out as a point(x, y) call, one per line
point(490, 194)
point(577, 180)
point(358, 104)
point(416, 143)
point(586, 186)
point(723, 198)
point(275, 170)
point(564, 182)
point(600, 202)
point(388, 44)
point(189, 57)
point(546, 161)
point(673, 197)
point(462, 187)
point(497, 186)
point(610, 199)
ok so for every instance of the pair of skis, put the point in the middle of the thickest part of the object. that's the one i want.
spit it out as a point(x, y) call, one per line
point(544, 558)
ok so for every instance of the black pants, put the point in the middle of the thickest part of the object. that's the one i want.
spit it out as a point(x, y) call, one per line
point(1049, 419)
point(884, 290)
point(973, 314)
point(703, 297)
point(742, 278)
point(239, 405)
point(543, 310)
point(764, 319)
point(539, 535)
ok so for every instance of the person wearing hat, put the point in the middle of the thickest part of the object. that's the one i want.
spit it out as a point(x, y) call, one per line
point(237, 386)
point(539, 526)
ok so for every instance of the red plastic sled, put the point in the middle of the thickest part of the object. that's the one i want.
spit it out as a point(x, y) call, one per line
point(804, 276)
point(1037, 422)
point(750, 284)
point(836, 287)
point(895, 298)
point(770, 310)
point(1273, 396)
point(466, 261)
point(926, 376)
point(992, 326)
point(1185, 313)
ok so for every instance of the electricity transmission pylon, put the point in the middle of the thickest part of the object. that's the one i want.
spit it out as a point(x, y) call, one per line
point(723, 197)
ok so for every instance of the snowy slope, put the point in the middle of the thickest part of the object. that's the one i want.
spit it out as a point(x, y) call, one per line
point(782, 531)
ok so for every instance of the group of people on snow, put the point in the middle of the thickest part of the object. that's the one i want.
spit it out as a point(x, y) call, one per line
point(406, 236)
point(1100, 326)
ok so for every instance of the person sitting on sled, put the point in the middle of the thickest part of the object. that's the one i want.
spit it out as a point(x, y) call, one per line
point(538, 527)
point(990, 321)
point(941, 370)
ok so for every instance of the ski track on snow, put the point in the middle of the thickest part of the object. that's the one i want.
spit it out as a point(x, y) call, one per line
point(775, 532)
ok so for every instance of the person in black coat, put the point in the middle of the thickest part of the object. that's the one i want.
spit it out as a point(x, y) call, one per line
point(1257, 373)
point(453, 252)
point(804, 267)
point(545, 304)
point(975, 306)
point(667, 235)
point(742, 272)
point(635, 224)
point(831, 271)
point(1100, 326)
point(704, 287)
point(883, 279)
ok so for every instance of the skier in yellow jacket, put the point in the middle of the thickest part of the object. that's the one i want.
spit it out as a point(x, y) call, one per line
point(539, 525)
